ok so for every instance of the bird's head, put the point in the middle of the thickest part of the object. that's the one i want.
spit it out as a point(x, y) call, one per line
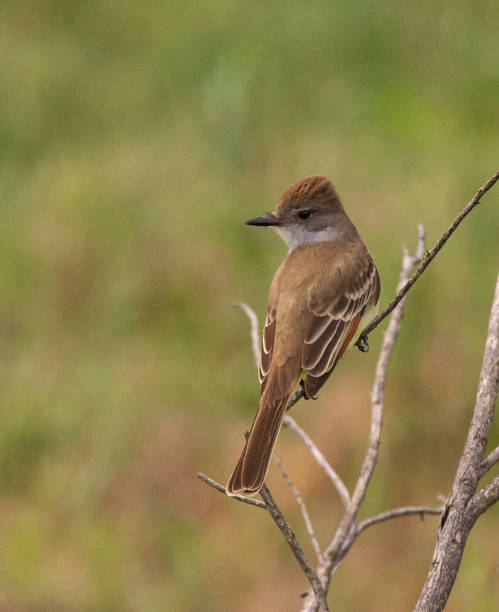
point(309, 211)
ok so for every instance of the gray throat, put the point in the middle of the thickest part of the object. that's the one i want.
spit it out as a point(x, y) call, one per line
point(298, 235)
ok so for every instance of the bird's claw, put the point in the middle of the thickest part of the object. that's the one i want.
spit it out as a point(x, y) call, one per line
point(362, 344)
point(305, 396)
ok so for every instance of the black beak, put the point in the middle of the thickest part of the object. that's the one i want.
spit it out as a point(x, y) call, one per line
point(268, 219)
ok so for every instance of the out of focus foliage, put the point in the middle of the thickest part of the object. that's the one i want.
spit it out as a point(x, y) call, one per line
point(135, 139)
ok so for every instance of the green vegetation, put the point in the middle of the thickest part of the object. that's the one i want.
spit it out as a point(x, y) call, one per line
point(135, 139)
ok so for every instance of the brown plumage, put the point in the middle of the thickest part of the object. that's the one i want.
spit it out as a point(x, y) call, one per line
point(317, 300)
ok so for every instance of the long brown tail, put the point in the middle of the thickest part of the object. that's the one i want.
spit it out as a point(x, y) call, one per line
point(252, 467)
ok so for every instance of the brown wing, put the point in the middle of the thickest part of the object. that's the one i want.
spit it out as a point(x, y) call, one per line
point(267, 345)
point(333, 325)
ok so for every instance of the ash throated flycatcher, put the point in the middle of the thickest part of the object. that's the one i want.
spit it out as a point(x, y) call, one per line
point(323, 293)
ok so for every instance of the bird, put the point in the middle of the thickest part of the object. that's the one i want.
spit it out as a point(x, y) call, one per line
point(322, 295)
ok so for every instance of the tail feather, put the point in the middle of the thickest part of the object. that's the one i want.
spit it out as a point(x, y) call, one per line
point(252, 467)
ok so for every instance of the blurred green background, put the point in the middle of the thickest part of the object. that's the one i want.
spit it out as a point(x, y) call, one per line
point(135, 139)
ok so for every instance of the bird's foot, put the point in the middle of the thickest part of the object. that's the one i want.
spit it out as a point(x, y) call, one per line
point(362, 344)
point(305, 396)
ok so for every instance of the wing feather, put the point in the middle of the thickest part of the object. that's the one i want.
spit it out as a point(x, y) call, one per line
point(333, 325)
point(318, 360)
point(267, 345)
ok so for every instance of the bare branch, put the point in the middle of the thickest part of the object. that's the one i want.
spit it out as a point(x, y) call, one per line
point(487, 393)
point(339, 485)
point(347, 531)
point(297, 395)
point(486, 497)
point(464, 505)
point(303, 509)
point(396, 512)
point(491, 459)
point(216, 485)
point(301, 557)
point(430, 255)
point(255, 338)
point(273, 509)
point(377, 400)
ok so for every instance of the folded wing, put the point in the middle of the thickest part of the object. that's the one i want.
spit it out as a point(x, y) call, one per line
point(334, 319)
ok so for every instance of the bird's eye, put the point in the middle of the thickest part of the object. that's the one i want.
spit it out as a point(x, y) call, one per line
point(304, 214)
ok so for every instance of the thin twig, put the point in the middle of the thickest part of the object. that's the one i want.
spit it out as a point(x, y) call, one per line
point(297, 395)
point(396, 512)
point(301, 557)
point(430, 255)
point(255, 339)
point(489, 461)
point(347, 531)
point(216, 485)
point(377, 399)
point(303, 509)
point(339, 485)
